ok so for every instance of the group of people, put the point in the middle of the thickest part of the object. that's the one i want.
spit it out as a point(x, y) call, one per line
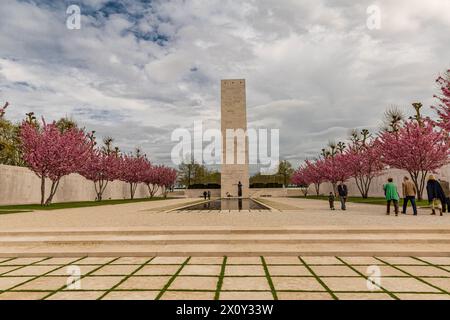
point(207, 194)
point(342, 191)
point(438, 192)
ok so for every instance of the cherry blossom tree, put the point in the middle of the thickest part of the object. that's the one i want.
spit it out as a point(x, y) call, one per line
point(443, 109)
point(334, 170)
point(52, 153)
point(332, 165)
point(133, 169)
point(152, 179)
point(416, 147)
point(363, 160)
point(313, 174)
point(167, 178)
point(300, 178)
point(102, 166)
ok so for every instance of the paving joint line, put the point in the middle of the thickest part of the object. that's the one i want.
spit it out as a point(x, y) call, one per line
point(431, 264)
point(22, 266)
point(367, 278)
point(32, 278)
point(318, 279)
point(126, 278)
point(172, 279)
point(415, 277)
point(81, 277)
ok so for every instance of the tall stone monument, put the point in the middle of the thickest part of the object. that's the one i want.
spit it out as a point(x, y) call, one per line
point(234, 169)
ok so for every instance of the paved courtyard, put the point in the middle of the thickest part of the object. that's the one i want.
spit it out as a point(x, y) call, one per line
point(252, 277)
point(292, 212)
point(267, 278)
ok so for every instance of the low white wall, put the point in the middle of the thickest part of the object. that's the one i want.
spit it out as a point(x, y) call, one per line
point(19, 185)
point(376, 187)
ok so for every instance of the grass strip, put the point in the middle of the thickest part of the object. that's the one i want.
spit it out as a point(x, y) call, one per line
point(39, 276)
point(77, 204)
point(126, 278)
point(21, 267)
point(431, 264)
point(367, 278)
point(81, 277)
point(413, 276)
point(318, 279)
point(220, 281)
point(269, 279)
point(172, 279)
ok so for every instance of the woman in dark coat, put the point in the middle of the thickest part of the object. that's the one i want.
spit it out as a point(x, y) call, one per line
point(436, 195)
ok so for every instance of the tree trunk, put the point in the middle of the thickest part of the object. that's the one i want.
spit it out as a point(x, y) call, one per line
point(53, 189)
point(152, 190)
point(101, 188)
point(418, 179)
point(42, 190)
point(131, 191)
point(317, 187)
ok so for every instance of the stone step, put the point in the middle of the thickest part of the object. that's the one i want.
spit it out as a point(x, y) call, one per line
point(230, 241)
point(228, 230)
point(254, 249)
point(400, 238)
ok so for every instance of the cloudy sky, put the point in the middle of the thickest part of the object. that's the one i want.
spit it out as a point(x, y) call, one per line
point(136, 70)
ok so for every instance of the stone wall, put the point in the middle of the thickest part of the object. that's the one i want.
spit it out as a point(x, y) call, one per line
point(19, 185)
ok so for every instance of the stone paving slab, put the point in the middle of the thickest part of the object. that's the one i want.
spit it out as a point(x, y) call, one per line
point(206, 278)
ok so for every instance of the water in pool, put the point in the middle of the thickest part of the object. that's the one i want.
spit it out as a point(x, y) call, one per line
point(228, 204)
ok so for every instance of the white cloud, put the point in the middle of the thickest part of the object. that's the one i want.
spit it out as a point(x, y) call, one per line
point(138, 71)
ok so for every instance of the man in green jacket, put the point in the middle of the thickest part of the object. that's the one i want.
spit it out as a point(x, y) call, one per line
point(391, 193)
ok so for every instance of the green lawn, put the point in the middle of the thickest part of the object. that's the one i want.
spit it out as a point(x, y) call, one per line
point(65, 205)
point(372, 200)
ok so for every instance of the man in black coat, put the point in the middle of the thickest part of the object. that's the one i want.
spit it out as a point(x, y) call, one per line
point(343, 192)
point(435, 194)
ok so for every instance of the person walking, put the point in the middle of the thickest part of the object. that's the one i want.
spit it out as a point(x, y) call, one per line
point(391, 194)
point(409, 192)
point(446, 189)
point(209, 195)
point(205, 194)
point(343, 192)
point(331, 200)
point(435, 195)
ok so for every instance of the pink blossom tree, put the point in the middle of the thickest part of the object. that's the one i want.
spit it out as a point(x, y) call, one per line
point(300, 178)
point(313, 174)
point(167, 178)
point(102, 166)
point(133, 169)
point(443, 109)
point(152, 179)
point(416, 147)
point(52, 153)
point(363, 160)
point(332, 167)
